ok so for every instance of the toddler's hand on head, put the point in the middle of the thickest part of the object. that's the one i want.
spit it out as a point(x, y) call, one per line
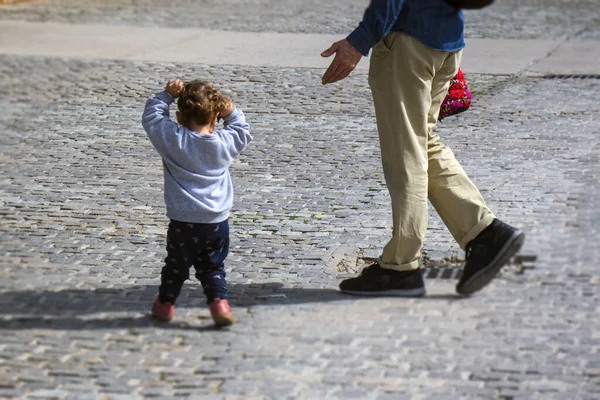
point(174, 87)
point(228, 109)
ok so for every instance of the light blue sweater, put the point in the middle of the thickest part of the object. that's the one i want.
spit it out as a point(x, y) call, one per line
point(197, 186)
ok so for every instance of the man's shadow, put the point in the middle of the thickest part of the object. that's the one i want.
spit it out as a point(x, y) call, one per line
point(129, 306)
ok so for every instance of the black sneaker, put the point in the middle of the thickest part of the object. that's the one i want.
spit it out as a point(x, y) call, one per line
point(487, 254)
point(377, 281)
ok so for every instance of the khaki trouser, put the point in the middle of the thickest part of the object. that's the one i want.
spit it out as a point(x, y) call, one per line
point(409, 82)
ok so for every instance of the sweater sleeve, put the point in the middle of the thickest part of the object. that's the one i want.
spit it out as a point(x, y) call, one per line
point(235, 133)
point(377, 22)
point(156, 121)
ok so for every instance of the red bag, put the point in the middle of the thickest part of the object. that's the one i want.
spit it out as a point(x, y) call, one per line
point(458, 98)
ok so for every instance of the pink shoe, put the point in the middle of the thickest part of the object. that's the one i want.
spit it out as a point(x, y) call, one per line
point(163, 311)
point(220, 312)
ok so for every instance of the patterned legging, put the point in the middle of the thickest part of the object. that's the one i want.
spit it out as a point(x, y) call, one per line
point(205, 246)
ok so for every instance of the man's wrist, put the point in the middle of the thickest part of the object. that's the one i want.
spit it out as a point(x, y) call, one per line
point(360, 40)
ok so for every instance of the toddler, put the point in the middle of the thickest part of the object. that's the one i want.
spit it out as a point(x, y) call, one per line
point(197, 188)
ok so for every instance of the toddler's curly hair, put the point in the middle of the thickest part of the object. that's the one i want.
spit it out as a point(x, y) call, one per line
point(200, 102)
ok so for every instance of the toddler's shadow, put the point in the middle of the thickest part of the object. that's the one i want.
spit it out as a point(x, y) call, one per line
point(128, 307)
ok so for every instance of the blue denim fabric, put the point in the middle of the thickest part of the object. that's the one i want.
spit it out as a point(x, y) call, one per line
point(434, 23)
point(205, 246)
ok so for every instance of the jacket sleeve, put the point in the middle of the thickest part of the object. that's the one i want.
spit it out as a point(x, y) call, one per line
point(377, 22)
point(156, 121)
point(235, 132)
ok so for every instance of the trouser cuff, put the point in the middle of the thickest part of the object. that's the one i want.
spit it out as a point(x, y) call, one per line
point(477, 229)
point(399, 267)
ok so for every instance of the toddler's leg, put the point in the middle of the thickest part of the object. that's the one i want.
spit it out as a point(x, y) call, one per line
point(209, 262)
point(210, 270)
point(180, 256)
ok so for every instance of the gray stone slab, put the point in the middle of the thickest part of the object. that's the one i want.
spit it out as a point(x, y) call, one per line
point(498, 56)
point(506, 56)
point(571, 57)
point(507, 19)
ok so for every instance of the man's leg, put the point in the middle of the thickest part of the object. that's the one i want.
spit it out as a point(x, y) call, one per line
point(488, 242)
point(456, 199)
point(401, 76)
point(409, 82)
point(401, 83)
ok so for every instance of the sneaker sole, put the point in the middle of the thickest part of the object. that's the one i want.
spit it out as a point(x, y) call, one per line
point(159, 318)
point(223, 320)
point(485, 276)
point(417, 292)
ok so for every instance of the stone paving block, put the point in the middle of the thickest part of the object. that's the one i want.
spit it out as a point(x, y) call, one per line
point(83, 241)
point(75, 394)
point(114, 396)
point(47, 394)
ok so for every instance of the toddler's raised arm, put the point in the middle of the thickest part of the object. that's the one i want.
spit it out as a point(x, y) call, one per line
point(235, 132)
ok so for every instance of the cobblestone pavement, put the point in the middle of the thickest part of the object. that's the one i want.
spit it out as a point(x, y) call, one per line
point(82, 234)
point(509, 19)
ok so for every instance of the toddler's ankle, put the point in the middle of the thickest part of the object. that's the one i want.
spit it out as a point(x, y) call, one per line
point(220, 312)
point(163, 311)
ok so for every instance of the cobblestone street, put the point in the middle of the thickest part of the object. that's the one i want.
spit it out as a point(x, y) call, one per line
point(83, 226)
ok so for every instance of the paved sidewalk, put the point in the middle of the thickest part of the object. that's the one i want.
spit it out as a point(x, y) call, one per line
point(483, 56)
point(82, 224)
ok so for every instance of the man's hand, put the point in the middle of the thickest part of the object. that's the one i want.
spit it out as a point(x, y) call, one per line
point(346, 59)
point(174, 87)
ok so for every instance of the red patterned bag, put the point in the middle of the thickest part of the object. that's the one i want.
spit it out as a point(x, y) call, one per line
point(458, 98)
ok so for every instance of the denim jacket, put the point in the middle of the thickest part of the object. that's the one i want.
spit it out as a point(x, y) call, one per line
point(434, 23)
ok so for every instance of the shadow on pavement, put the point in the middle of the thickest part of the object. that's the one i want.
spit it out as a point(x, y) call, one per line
point(120, 308)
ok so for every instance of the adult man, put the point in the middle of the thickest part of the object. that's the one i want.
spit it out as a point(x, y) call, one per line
point(417, 47)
